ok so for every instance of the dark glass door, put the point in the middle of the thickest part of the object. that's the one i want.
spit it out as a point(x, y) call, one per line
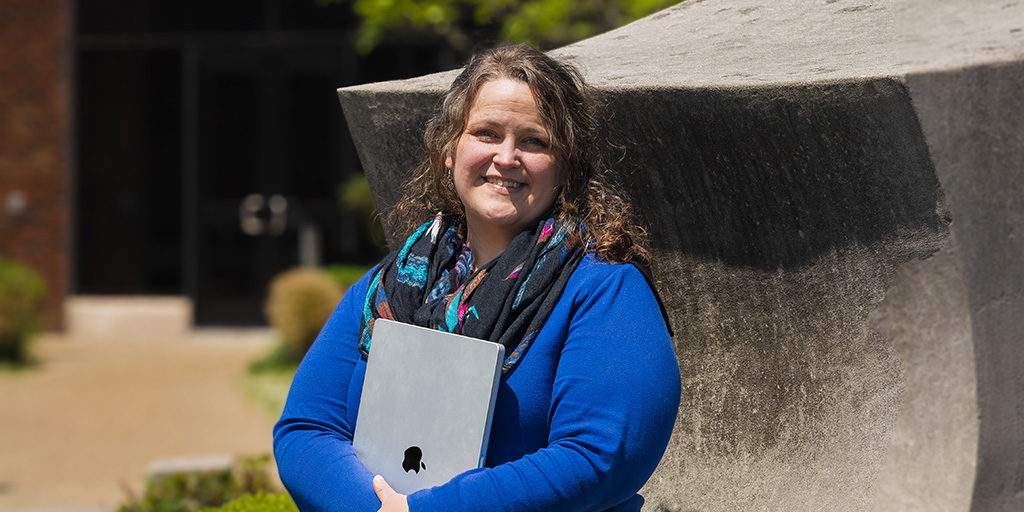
point(211, 146)
point(266, 174)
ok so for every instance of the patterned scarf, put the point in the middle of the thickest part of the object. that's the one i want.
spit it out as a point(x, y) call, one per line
point(430, 282)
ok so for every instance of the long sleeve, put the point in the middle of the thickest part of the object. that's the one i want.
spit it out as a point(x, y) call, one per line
point(580, 423)
point(612, 405)
point(313, 439)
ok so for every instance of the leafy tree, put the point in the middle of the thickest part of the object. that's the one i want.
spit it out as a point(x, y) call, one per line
point(542, 23)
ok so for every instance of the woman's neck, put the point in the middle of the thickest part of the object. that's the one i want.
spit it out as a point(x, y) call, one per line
point(486, 246)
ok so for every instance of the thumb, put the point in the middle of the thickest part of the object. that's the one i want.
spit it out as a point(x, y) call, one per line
point(382, 488)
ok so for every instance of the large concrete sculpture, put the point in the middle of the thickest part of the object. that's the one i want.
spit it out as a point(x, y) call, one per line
point(834, 194)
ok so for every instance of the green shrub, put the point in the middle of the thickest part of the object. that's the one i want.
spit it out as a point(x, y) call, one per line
point(194, 490)
point(267, 384)
point(355, 196)
point(277, 502)
point(278, 359)
point(21, 297)
point(184, 492)
point(346, 275)
point(299, 303)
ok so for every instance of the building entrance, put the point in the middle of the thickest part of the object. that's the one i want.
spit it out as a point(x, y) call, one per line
point(211, 148)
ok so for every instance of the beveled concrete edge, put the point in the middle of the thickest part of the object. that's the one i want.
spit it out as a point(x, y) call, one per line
point(874, 38)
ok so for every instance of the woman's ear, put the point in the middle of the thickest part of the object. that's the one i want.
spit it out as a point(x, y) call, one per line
point(448, 161)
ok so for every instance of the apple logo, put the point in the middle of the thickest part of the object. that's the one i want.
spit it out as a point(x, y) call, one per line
point(413, 459)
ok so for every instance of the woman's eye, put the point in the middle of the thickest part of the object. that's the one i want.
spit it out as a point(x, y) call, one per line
point(486, 134)
point(536, 143)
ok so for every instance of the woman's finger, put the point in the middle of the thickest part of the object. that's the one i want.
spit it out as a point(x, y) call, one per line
point(390, 499)
point(382, 488)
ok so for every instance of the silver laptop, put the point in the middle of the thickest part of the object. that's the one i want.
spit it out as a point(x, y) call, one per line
point(427, 403)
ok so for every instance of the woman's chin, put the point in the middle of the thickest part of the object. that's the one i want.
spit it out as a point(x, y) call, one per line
point(507, 224)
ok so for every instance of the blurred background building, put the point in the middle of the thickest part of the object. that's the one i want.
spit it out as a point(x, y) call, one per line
point(189, 149)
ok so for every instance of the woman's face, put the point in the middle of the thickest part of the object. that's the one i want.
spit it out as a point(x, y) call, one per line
point(504, 169)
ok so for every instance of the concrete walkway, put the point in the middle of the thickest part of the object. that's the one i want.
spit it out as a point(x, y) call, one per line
point(91, 417)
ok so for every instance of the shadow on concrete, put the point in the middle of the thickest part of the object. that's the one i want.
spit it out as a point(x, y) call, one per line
point(776, 177)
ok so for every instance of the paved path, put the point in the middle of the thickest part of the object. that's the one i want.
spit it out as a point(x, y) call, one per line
point(93, 415)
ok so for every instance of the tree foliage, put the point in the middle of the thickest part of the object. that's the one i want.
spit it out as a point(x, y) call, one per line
point(463, 23)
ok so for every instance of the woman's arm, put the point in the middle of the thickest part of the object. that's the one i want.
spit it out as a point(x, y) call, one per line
point(613, 405)
point(313, 439)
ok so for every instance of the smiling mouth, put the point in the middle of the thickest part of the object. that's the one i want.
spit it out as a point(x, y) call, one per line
point(502, 183)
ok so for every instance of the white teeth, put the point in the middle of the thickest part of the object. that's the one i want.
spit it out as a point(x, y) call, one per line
point(503, 183)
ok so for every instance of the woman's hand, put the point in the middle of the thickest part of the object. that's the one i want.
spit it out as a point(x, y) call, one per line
point(390, 500)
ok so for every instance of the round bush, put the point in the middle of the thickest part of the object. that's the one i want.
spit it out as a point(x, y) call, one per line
point(299, 303)
point(276, 502)
point(21, 297)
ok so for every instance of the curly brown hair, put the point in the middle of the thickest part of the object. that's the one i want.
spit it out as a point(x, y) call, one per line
point(569, 109)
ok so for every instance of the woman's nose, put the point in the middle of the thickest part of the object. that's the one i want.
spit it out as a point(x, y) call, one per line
point(507, 154)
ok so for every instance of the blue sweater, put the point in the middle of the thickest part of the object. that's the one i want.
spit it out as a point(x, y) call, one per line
point(580, 424)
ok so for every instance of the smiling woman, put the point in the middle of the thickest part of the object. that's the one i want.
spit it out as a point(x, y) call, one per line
point(568, 110)
point(512, 236)
point(503, 168)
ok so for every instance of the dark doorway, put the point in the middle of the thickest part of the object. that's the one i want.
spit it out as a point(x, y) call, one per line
point(211, 146)
point(267, 174)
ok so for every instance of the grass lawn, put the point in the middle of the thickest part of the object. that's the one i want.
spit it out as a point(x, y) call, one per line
point(268, 380)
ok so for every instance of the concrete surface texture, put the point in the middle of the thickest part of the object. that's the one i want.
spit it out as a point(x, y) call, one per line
point(833, 197)
point(92, 417)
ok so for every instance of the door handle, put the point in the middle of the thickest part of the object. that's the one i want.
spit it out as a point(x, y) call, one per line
point(248, 214)
point(278, 215)
point(253, 215)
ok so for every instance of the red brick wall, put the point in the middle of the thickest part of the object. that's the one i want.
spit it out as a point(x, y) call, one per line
point(34, 141)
